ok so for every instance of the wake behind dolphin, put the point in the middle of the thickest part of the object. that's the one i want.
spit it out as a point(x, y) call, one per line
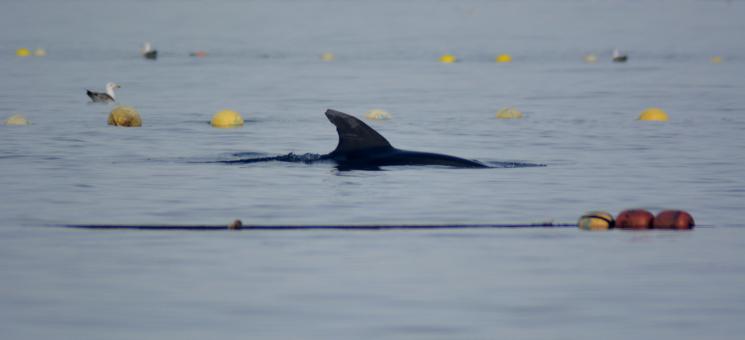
point(291, 157)
point(362, 148)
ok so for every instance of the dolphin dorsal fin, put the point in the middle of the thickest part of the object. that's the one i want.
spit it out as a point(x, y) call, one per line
point(355, 135)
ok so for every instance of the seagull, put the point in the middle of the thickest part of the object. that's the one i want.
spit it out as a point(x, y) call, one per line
point(148, 52)
point(104, 97)
point(618, 57)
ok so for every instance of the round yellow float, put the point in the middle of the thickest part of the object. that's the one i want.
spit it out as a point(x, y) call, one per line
point(227, 119)
point(654, 114)
point(504, 58)
point(509, 113)
point(596, 220)
point(16, 120)
point(448, 59)
point(716, 59)
point(125, 116)
point(591, 58)
point(23, 52)
point(328, 56)
point(377, 114)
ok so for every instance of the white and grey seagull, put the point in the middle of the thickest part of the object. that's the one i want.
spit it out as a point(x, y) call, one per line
point(104, 97)
point(149, 52)
point(618, 57)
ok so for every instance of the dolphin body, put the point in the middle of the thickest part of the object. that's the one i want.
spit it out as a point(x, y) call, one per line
point(361, 147)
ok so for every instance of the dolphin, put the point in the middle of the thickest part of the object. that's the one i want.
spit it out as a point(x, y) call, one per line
point(362, 148)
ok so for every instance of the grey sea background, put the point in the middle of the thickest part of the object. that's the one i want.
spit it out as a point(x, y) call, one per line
point(70, 167)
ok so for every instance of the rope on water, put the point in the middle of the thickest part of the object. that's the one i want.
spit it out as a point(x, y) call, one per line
point(237, 225)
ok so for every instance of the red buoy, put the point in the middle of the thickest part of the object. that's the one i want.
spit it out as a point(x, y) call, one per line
point(673, 219)
point(634, 219)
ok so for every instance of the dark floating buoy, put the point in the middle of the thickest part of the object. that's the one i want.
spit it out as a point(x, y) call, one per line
point(634, 219)
point(235, 225)
point(673, 219)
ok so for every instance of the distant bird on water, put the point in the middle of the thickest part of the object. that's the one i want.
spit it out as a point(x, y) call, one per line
point(149, 52)
point(104, 97)
point(618, 57)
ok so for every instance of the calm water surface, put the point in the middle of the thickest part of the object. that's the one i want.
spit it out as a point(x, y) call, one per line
point(580, 120)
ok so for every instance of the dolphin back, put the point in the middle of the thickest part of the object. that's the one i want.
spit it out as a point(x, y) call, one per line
point(354, 135)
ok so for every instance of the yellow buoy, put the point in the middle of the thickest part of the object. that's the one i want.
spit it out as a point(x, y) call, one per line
point(23, 52)
point(328, 56)
point(377, 114)
point(16, 120)
point(125, 116)
point(716, 59)
point(504, 58)
point(227, 119)
point(653, 113)
point(596, 220)
point(448, 59)
point(509, 113)
point(40, 52)
point(591, 58)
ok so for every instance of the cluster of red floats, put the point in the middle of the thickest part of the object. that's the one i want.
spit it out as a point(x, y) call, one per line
point(636, 219)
